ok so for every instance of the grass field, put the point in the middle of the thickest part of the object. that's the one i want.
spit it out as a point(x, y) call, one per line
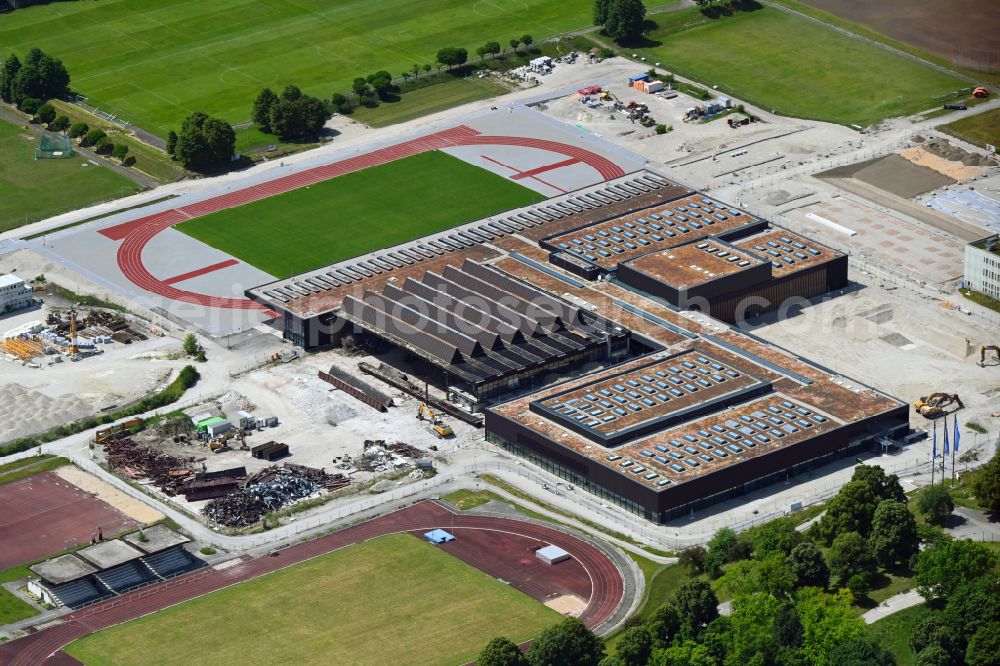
point(155, 61)
point(423, 101)
point(894, 631)
point(785, 63)
point(31, 190)
point(980, 129)
point(392, 600)
point(13, 609)
point(348, 216)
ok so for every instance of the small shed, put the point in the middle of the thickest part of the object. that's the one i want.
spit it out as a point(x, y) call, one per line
point(218, 427)
point(653, 86)
point(438, 536)
point(552, 554)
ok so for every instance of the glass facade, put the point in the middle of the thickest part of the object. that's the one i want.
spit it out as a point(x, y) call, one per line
point(650, 513)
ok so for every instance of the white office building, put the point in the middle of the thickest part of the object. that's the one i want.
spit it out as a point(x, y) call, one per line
point(982, 266)
point(14, 293)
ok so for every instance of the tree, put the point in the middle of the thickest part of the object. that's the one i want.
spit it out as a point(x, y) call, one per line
point(59, 124)
point(935, 504)
point(941, 569)
point(262, 106)
point(501, 652)
point(687, 653)
point(493, 48)
point(78, 130)
point(849, 555)
point(894, 533)
point(751, 633)
point(427, 67)
point(527, 40)
point(481, 52)
point(984, 647)
point(884, 486)
point(697, 604)
point(634, 646)
point(858, 587)
point(171, 142)
point(601, 11)
point(933, 655)
point(934, 631)
point(359, 87)
point(723, 547)
point(807, 565)
point(381, 83)
point(775, 536)
point(851, 510)
point(694, 558)
point(297, 116)
point(93, 137)
point(986, 487)
point(104, 146)
point(568, 643)
point(204, 142)
point(770, 575)
point(119, 152)
point(8, 72)
point(626, 19)
point(514, 43)
point(787, 627)
point(452, 56)
point(40, 76)
point(974, 604)
point(30, 105)
point(827, 620)
point(859, 652)
point(663, 624)
point(46, 113)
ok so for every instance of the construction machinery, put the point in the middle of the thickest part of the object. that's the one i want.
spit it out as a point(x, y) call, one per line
point(438, 426)
point(982, 353)
point(72, 332)
point(932, 406)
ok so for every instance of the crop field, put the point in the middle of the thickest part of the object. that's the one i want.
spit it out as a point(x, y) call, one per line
point(781, 62)
point(353, 214)
point(155, 61)
point(391, 600)
point(32, 190)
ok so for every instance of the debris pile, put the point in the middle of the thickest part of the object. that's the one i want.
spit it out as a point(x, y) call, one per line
point(268, 490)
point(138, 462)
point(381, 457)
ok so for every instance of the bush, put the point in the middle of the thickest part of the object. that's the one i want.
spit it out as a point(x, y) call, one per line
point(858, 585)
point(78, 130)
point(45, 114)
point(93, 137)
point(59, 124)
point(30, 105)
point(119, 151)
point(104, 146)
point(935, 504)
point(607, 53)
point(661, 129)
point(208, 550)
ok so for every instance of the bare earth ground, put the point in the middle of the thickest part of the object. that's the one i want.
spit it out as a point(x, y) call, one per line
point(567, 604)
point(969, 22)
point(954, 170)
point(133, 508)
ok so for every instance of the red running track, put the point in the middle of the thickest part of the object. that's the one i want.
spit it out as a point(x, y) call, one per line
point(135, 235)
point(608, 587)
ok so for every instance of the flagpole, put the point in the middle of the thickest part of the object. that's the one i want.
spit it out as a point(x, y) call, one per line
point(934, 453)
point(954, 448)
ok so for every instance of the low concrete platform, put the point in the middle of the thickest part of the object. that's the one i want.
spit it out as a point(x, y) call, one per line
point(62, 569)
point(109, 554)
point(158, 537)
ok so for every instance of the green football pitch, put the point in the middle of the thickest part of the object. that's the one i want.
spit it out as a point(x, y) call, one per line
point(782, 62)
point(358, 212)
point(32, 190)
point(391, 600)
point(155, 61)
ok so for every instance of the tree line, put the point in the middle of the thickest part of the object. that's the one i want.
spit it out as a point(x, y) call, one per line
point(794, 594)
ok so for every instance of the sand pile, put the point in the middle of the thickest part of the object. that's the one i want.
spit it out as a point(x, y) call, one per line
point(953, 169)
point(28, 412)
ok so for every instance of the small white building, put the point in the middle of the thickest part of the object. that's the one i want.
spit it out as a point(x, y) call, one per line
point(15, 294)
point(552, 554)
point(982, 266)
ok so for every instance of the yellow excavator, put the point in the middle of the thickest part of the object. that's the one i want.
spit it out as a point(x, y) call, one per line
point(438, 427)
point(932, 406)
point(982, 353)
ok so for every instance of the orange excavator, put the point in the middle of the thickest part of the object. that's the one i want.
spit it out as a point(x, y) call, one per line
point(932, 406)
point(982, 354)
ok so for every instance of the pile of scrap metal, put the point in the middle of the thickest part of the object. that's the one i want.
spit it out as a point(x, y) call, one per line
point(381, 457)
point(209, 485)
point(170, 473)
point(268, 490)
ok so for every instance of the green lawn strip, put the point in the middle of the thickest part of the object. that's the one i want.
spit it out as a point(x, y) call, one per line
point(517, 492)
point(893, 632)
point(391, 600)
point(13, 609)
point(980, 129)
point(463, 499)
point(662, 583)
point(257, 145)
point(82, 299)
point(427, 100)
point(153, 62)
point(358, 212)
point(32, 190)
point(787, 64)
point(21, 469)
point(151, 161)
point(101, 216)
point(864, 31)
